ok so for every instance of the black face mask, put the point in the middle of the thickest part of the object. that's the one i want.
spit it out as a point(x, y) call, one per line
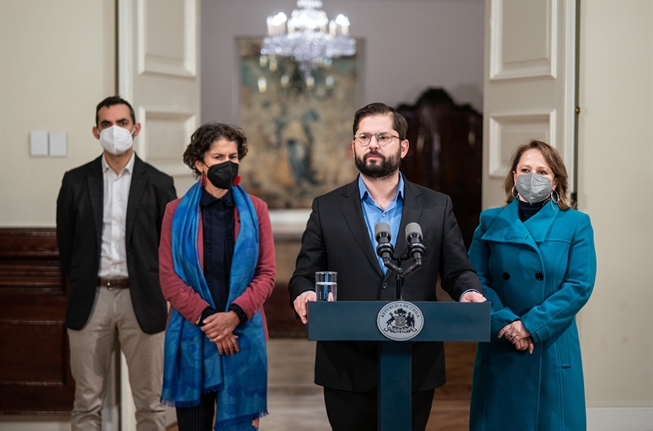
point(223, 174)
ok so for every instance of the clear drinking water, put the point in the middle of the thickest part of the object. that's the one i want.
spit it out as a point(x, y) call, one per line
point(326, 285)
point(326, 290)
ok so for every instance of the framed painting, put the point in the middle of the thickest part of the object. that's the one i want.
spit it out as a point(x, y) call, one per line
point(298, 126)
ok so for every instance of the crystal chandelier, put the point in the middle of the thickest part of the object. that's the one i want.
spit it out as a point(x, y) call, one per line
point(308, 36)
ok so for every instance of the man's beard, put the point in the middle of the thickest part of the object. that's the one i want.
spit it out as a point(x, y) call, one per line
point(384, 167)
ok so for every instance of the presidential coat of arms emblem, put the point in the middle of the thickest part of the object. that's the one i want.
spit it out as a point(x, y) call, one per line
point(400, 320)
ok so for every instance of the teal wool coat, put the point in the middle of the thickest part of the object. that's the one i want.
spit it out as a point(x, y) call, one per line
point(541, 271)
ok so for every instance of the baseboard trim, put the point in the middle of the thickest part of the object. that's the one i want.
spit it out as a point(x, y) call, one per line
point(620, 419)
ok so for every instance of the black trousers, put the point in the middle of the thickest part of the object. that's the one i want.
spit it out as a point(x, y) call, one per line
point(197, 418)
point(357, 411)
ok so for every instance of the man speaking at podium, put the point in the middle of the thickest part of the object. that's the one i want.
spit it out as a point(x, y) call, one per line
point(340, 236)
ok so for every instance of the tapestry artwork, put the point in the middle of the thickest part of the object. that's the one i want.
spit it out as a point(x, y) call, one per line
point(298, 127)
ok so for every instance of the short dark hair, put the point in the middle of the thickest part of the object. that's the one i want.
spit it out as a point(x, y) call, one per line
point(111, 101)
point(555, 162)
point(398, 121)
point(202, 139)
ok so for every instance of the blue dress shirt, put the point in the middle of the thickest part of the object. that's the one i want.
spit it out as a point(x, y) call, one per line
point(374, 214)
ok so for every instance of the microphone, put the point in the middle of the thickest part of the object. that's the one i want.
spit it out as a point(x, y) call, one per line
point(414, 237)
point(382, 234)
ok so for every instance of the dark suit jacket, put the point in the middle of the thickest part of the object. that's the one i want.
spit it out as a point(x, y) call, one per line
point(337, 239)
point(79, 236)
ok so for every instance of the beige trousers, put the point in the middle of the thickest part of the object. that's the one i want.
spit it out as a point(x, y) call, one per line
point(91, 349)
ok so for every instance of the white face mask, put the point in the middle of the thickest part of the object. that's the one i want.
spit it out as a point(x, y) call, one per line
point(116, 140)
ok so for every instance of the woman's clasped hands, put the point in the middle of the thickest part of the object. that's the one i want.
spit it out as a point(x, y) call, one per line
point(518, 335)
point(219, 328)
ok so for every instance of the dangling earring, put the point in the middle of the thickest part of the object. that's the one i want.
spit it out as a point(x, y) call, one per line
point(514, 193)
point(557, 197)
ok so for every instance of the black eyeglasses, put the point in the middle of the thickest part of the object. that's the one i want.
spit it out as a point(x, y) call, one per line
point(382, 138)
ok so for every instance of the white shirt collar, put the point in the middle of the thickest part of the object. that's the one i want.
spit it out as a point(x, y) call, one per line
point(129, 167)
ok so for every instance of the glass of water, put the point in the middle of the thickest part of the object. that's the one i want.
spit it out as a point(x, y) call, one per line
point(326, 285)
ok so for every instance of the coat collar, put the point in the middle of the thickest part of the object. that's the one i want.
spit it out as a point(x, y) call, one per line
point(94, 181)
point(412, 213)
point(139, 181)
point(507, 227)
point(351, 208)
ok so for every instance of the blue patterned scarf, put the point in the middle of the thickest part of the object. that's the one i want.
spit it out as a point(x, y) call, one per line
point(192, 364)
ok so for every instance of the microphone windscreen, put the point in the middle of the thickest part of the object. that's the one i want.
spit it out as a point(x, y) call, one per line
point(381, 227)
point(412, 228)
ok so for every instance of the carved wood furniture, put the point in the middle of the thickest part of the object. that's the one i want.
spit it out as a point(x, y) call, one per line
point(35, 374)
point(445, 154)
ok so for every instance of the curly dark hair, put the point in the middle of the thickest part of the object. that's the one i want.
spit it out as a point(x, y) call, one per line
point(202, 139)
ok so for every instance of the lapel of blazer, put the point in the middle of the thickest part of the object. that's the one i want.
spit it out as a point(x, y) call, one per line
point(411, 213)
point(95, 182)
point(136, 189)
point(351, 208)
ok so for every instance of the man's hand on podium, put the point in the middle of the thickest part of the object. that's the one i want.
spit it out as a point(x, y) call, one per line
point(300, 304)
point(473, 296)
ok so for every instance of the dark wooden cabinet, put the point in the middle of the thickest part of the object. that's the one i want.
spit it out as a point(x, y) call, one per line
point(445, 154)
point(35, 374)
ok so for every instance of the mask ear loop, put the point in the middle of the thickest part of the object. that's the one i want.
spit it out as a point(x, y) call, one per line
point(203, 177)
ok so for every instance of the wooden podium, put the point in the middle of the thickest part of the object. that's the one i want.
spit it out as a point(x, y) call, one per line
point(357, 321)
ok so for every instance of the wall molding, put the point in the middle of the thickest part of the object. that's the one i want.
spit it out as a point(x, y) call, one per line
point(620, 419)
point(539, 67)
point(149, 63)
point(508, 130)
point(149, 148)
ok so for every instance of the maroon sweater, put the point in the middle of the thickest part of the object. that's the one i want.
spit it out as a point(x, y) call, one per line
point(186, 300)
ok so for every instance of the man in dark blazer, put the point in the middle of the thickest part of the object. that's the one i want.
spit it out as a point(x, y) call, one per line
point(109, 215)
point(339, 237)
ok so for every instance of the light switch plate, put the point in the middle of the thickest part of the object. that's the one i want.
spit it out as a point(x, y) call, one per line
point(58, 144)
point(38, 144)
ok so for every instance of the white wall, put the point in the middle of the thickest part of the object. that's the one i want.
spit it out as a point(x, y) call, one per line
point(58, 62)
point(616, 190)
point(409, 45)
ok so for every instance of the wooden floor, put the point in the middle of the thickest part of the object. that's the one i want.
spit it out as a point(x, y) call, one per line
point(449, 415)
point(450, 409)
point(295, 403)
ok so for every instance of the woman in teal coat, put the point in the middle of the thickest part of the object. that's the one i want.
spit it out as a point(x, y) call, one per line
point(536, 261)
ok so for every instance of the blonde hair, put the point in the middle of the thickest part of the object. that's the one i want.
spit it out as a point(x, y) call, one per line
point(555, 162)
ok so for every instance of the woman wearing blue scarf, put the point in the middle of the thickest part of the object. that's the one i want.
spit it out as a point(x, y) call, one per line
point(217, 268)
